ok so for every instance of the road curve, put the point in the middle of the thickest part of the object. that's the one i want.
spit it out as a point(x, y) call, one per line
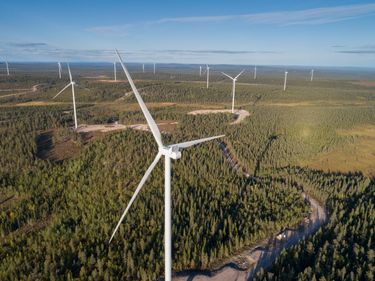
point(245, 265)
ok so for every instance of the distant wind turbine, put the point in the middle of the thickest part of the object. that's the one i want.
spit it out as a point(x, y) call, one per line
point(255, 73)
point(234, 86)
point(200, 70)
point(59, 67)
point(208, 75)
point(169, 152)
point(7, 66)
point(71, 83)
point(312, 75)
point(114, 70)
point(285, 79)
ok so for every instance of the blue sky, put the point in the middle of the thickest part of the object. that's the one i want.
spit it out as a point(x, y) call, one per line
point(327, 33)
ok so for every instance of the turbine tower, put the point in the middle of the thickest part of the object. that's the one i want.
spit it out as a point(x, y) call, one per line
point(312, 75)
point(200, 70)
point(285, 78)
point(169, 152)
point(71, 83)
point(208, 75)
point(114, 70)
point(234, 86)
point(255, 73)
point(59, 67)
point(7, 66)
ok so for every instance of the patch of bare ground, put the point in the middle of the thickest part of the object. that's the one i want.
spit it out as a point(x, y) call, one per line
point(51, 146)
point(356, 156)
point(317, 103)
point(166, 126)
point(39, 103)
point(240, 114)
point(111, 81)
point(365, 83)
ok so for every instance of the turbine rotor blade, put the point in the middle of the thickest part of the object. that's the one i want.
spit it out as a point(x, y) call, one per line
point(227, 75)
point(239, 74)
point(139, 187)
point(150, 121)
point(194, 142)
point(62, 90)
point(70, 74)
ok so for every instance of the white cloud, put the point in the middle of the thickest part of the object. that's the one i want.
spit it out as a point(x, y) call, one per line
point(316, 16)
point(308, 16)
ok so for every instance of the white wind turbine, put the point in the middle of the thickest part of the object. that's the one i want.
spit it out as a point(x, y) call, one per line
point(59, 67)
point(71, 83)
point(114, 71)
point(208, 75)
point(200, 70)
point(234, 86)
point(312, 75)
point(169, 152)
point(7, 66)
point(285, 79)
point(255, 72)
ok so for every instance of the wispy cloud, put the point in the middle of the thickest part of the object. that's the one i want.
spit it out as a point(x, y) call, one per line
point(308, 16)
point(27, 45)
point(44, 50)
point(314, 16)
point(360, 50)
point(119, 30)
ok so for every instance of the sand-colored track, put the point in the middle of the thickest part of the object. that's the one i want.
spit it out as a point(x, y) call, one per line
point(240, 114)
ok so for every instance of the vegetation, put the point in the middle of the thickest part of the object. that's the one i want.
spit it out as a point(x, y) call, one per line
point(56, 217)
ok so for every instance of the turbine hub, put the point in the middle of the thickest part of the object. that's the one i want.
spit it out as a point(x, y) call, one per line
point(172, 151)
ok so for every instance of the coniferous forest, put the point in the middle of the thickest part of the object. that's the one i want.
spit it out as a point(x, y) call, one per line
point(57, 213)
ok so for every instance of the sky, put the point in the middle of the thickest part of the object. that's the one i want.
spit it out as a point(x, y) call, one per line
point(310, 33)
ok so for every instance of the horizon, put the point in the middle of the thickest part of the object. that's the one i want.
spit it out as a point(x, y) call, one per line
point(194, 33)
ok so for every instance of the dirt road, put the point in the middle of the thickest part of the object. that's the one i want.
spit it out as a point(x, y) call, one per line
point(33, 89)
point(240, 114)
point(245, 265)
point(105, 128)
point(263, 254)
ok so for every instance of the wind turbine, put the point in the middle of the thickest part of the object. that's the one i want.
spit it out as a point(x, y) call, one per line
point(71, 83)
point(114, 70)
point(59, 69)
point(312, 75)
point(7, 66)
point(208, 74)
point(285, 78)
point(234, 86)
point(169, 152)
point(200, 70)
point(255, 72)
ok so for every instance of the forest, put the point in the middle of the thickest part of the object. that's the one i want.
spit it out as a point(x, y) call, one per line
point(56, 217)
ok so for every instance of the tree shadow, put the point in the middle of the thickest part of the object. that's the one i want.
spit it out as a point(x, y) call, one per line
point(257, 99)
point(270, 140)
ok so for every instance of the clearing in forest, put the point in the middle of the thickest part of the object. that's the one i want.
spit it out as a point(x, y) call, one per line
point(240, 114)
point(356, 156)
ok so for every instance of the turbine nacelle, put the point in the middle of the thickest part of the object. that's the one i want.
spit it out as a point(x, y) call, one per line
point(172, 151)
